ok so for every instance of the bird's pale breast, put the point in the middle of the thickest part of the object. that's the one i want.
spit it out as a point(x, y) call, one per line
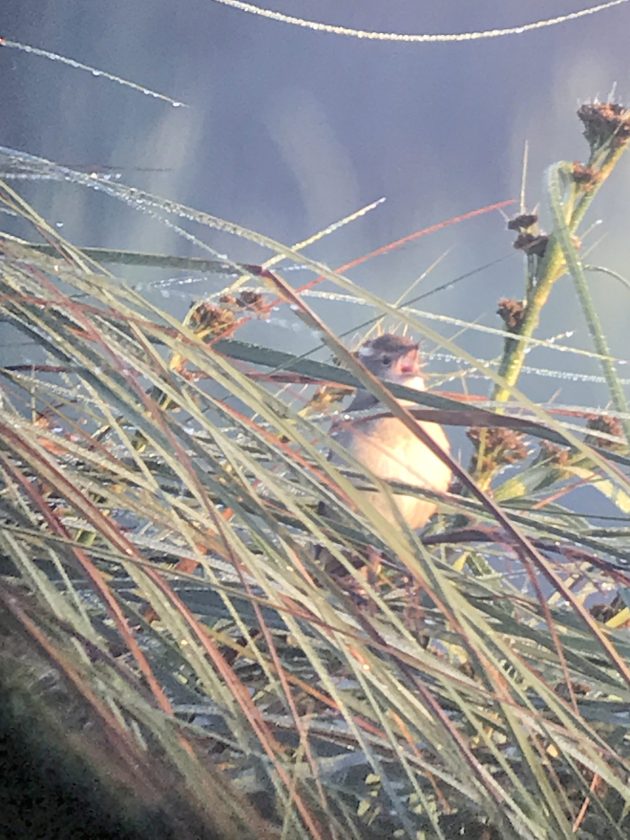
point(389, 450)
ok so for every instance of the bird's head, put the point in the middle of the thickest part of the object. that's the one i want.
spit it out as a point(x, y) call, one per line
point(394, 359)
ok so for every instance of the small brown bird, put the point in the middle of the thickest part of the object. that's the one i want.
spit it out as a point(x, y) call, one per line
point(387, 447)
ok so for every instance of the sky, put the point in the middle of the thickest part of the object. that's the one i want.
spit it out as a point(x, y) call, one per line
point(286, 130)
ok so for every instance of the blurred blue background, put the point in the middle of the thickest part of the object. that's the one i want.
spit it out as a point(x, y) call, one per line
point(288, 130)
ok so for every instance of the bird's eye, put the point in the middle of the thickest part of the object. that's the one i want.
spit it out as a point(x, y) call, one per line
point(386, 361)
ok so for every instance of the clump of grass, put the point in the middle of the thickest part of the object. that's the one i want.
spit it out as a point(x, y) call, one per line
point(161, 498)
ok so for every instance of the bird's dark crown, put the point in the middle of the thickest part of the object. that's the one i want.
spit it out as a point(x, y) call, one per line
point(392, 344)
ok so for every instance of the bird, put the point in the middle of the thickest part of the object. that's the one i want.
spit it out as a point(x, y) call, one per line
point(384, 445)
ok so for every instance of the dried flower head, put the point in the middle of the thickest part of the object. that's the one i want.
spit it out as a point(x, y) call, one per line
point(606, 424)
point(324, 397)
point(207, 318)
point(553, 454)
point(497, 446)
point(532, 244)
point(247, 299)
point(512, 312)
point(522, 221)
point(250, 299)
point(585, 176)
point(605, 122)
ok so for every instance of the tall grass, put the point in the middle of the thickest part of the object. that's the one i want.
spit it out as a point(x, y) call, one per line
point(166, 612)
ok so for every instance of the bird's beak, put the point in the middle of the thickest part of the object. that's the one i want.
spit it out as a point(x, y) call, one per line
point(408, 364)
